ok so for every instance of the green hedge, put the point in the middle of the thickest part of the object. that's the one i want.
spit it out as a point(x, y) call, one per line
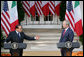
point(1, 36)
point(1, 39)
point(81, 39)
point(20, 11)
point(62, 10)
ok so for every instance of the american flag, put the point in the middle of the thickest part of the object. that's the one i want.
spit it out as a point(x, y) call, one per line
point(70, 14)
point(52, 7)
point(42, 7)
point(38, 7)
point(26, 7)
point(5, 23)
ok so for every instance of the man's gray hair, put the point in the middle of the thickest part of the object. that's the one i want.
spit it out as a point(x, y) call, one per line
point(67, 22)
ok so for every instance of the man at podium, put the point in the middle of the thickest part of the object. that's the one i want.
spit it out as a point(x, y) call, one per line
point(18, 36)
point(66, 35)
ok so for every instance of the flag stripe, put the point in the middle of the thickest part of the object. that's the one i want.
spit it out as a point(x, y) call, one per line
point(6, 24)
point(7, 15)
point(4, 28)
point(37, 8)
point(5, 18)
point(51, 7)
point(51, 10)
point(26, 4)
point(26, 7)
point(70, 24)
point(72, 27)
point(52, 4)
point(70, 21)
point(40, 5)
point(70, 17)
point(26, 10)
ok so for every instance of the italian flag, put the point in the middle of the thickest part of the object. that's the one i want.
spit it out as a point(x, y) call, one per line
point(13, 15)
point(78, 20)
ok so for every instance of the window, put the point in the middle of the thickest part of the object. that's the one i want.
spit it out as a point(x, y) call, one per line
point(36, 18)
point(48, 18)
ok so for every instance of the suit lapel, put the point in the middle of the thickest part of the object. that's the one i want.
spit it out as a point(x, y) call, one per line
point(16, 34)
point(66, 32)
point(17, 39)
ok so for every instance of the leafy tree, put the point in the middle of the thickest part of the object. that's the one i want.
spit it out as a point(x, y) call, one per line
point(62, 10)
point(20, 11)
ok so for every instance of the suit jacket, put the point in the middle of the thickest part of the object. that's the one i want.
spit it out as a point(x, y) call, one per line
point(68, 36)
point(13, 37)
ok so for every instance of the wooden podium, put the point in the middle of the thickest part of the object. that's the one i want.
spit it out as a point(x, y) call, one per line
point(68, 45)
point(15, 46)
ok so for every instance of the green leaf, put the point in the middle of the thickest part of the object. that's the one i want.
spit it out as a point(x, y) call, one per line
point(81, 39)
point(20, 11)
point(62, 10)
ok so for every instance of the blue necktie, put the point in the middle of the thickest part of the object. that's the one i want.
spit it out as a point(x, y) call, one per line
point(18, 35)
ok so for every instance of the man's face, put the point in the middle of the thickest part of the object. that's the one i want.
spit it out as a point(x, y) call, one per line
point(19, 29)
point(64, 24)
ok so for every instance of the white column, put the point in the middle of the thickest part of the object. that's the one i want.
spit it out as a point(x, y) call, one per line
point(28, 19)
point(55, 19)
point(41, 19)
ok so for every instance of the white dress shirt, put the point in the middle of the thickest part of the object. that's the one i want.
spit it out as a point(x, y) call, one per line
point(18, 32)
point(66, 29)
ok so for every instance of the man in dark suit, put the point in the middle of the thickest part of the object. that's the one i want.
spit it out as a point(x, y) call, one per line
point(66, 35)
point(18, 36)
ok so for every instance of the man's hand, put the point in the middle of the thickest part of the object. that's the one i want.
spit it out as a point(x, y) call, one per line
point(37, 37)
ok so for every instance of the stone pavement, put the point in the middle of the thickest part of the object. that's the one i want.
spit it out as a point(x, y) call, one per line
point(41, 53)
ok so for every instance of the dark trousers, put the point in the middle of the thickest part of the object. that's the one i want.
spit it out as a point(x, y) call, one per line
point(17, 52)
point(66, 52)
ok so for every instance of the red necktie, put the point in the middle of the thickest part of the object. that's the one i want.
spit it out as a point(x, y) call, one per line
point(64, 32)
